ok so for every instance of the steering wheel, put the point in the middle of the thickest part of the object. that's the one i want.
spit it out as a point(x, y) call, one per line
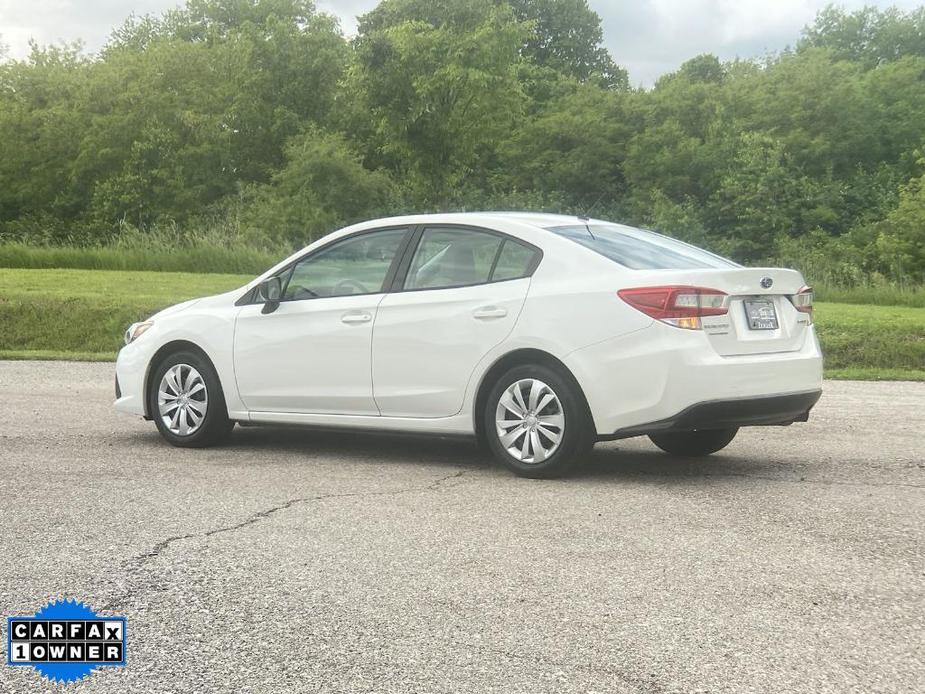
point(343, 284)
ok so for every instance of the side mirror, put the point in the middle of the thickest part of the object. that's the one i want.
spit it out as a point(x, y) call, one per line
point(270, 291)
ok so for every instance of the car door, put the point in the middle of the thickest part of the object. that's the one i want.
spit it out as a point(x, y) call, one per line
point(460, 296)
point(312, 354)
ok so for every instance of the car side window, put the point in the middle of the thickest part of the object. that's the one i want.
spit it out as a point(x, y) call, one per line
point(356, 265)
point(448, 257)
point(515, 260)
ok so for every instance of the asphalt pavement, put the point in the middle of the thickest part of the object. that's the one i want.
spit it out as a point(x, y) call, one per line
point(305, 561)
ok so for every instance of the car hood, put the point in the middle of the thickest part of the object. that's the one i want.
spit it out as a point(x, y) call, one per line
point(204, 302)
point(176, 308)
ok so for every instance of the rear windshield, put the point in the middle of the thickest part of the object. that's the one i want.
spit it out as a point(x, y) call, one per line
point(640, 250)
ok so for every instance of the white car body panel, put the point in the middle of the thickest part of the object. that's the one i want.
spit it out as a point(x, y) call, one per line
point(427, 344)
point(417, 364)
point(207, 323)
point(307, 356)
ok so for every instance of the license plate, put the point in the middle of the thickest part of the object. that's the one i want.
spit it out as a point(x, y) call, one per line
point(761, 314)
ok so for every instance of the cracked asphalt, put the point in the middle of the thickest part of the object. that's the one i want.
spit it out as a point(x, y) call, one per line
point(305, 561)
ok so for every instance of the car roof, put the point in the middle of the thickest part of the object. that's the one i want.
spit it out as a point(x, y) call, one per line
point(541, 220)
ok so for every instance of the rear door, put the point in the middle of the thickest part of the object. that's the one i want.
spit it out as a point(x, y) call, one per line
point(460, 295)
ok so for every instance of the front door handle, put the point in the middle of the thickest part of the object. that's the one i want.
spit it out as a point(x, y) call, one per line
point(356, 317)
point(488, 312)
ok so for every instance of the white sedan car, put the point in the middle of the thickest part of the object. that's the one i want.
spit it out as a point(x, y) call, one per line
point(538, 334)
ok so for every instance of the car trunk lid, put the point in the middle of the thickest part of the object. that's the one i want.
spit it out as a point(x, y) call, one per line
point(761, 317)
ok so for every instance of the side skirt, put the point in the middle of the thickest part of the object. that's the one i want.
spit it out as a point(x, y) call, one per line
point(458, 425)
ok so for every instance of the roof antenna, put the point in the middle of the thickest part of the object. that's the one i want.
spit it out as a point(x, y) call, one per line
point(586, 215)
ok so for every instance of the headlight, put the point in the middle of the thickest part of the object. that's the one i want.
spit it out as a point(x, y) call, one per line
point(136, 330)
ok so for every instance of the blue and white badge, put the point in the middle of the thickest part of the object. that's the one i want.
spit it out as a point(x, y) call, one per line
point(65, 641)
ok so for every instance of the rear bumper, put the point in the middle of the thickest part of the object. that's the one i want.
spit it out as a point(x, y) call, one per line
point(655, 374)
point(727, 414)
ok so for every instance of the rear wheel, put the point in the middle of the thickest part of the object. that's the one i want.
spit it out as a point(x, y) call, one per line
point(187, 403)
point(535, 422)
point(694, 443)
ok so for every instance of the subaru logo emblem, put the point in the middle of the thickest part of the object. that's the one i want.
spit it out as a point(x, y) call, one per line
point(766, 282)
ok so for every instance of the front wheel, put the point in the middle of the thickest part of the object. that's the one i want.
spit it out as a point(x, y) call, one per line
point(694, 443)
point(187, 403)
point(535, 422)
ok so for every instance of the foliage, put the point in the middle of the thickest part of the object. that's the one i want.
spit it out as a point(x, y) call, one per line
point(901, 235)
point(256, 125)
point(165, 249)
point(868, 35)
point(440, 92)
point(321, 182)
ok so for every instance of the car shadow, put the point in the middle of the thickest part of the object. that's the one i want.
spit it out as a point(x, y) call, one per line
point(366, 446)
point(612, 461)
point(607, 461)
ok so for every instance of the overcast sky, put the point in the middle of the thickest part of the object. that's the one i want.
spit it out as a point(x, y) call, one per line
point(648, 37)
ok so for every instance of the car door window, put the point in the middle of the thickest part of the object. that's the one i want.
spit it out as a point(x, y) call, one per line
point(452, 258)
point(515, 260)
point(357, 265)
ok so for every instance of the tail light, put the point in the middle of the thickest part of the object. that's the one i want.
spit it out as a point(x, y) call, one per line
point(803, 302)
point(680, 306)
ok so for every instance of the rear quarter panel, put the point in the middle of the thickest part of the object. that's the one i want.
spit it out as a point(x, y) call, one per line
point(572, 303)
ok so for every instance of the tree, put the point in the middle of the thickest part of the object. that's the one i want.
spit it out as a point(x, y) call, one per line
point(763, 195)
point(440, 93)
point(576, 146)
point(41, 128)
point(901, 235)
point(184, 108)
point(818, 107)
point(567, 37)
point(869, 36)
point(322, 185)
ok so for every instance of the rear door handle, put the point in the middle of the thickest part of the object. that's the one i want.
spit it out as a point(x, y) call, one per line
point(488, 312)
point(356, 317)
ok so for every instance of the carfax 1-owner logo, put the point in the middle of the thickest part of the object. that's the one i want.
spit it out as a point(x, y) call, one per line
point(65, 641)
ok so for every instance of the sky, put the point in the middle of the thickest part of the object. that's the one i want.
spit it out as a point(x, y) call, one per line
point(647, 37)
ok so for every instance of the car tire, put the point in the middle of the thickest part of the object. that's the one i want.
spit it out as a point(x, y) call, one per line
point(556, 429)
point(692, 444)
point(188, 406)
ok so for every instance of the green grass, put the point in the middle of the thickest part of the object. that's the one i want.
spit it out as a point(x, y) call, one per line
point(871, 340)
point(874, 294)
point(54, 355)
point(867, 374)
point(198, 258)
point(48, 313)
point(81, 314)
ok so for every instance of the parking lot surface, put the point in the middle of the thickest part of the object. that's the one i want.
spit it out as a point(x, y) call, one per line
point(305, 561)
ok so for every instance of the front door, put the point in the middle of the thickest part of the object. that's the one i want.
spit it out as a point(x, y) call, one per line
point(313, 353)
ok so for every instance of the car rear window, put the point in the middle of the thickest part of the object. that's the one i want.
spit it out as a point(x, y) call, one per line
point(514, 261)
point(640, 250)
